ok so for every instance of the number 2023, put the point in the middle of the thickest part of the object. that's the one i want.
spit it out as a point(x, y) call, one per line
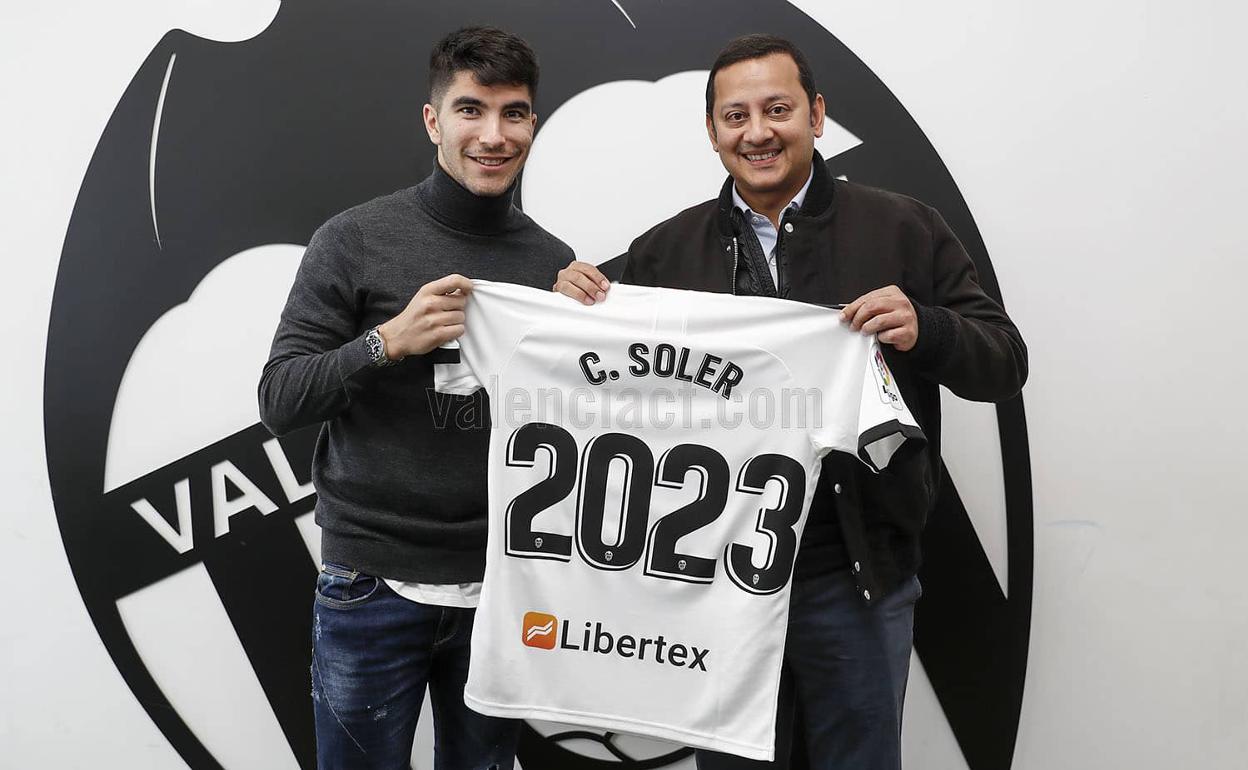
point(658, 545)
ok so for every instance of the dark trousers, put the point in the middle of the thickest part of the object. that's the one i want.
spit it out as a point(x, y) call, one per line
point(373, 654)
point(845, 669)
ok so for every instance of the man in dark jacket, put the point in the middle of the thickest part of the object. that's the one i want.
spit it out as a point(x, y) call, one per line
point(782, 226)
point(401, 494)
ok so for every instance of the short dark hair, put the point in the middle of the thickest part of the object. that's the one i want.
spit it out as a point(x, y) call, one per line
point(494, 57)
point(757, 46)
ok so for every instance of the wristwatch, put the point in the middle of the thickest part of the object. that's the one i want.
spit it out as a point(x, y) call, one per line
point(376, 348)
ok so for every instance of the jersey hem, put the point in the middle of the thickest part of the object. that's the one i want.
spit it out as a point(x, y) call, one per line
point(908, 432)
point(652, 729)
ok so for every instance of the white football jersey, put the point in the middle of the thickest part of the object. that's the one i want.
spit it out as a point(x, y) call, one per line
point(652, 461)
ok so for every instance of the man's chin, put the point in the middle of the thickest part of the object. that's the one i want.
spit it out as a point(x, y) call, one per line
point(760, 183)
point(489, 188)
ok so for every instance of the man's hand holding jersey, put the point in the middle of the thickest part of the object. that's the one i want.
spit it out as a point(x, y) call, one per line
point(433, 317)
point(886, 312)
point(582, 282)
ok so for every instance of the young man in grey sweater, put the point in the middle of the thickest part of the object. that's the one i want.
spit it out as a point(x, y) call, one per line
point(401, 490)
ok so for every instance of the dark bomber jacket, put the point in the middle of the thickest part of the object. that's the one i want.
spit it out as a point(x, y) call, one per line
point(847, 240)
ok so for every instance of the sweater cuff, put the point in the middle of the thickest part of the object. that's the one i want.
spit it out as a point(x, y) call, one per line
point(353, 358)
point(937, 335)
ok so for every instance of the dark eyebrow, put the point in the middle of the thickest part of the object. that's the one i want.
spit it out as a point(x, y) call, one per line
point(472, 101)
point(768, 100)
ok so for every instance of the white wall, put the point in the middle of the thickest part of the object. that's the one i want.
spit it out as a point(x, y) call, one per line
point(1099, 146)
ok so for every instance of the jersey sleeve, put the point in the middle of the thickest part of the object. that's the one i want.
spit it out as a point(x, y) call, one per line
point(863, 412)
point(495, 319)
point(451, 374)
point(884, 420)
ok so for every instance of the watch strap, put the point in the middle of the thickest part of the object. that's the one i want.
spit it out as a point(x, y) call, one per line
point(376, 346)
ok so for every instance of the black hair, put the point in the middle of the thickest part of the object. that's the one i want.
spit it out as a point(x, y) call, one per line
point(494, 57)
point(757, 46)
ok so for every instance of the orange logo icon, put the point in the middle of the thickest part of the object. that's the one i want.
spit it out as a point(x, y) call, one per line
point(539, 630)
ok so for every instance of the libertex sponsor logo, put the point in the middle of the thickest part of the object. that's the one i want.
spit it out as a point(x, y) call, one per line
point(539, 630)
point(544, 631)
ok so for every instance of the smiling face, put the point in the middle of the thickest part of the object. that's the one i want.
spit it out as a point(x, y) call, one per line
point(483, 133)
point(764, 126)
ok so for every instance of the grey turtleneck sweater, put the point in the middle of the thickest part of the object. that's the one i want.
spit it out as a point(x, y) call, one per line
point(397, 495)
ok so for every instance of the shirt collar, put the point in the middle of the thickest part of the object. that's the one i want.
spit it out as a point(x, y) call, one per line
point(796, 203)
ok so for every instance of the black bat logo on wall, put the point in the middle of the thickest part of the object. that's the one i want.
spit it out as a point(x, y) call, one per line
point(262, 141)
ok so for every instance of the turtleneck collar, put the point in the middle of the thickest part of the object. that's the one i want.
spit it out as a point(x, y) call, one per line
point(454, 206)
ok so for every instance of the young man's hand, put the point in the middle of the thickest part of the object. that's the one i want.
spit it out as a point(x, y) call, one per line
point(434, 317)
point(582, 282)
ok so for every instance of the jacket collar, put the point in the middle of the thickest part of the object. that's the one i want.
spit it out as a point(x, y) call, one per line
point(818, 198)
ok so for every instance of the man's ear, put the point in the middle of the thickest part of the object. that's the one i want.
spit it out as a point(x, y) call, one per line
point(817, 113)
point(710, 132)
point(430, 116)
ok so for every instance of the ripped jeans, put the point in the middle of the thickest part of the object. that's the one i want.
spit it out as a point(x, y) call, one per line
point(373, 654)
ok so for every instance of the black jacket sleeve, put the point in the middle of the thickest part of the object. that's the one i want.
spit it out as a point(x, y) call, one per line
point(630, 259)
point(966, 341)
point(318, 352)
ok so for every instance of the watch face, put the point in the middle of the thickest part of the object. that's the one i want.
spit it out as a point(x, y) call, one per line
point(376, 346)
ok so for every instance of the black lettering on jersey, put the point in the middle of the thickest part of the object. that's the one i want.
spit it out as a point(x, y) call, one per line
point(522, 540)
point(699, 658)
point(592, 376)
point(598, 640)
point(564, 643)
point(664, 359)
point(676, 656)
point(638, 463)
point(778, 524)
point(670, 361)
point(601, 647)
point(731, 375)
point(709, 362)
point(711, 477)
point(681, 365)
point(640, 366)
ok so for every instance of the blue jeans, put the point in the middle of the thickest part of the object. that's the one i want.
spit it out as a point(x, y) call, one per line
point(845, 665)
point(373, 654)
